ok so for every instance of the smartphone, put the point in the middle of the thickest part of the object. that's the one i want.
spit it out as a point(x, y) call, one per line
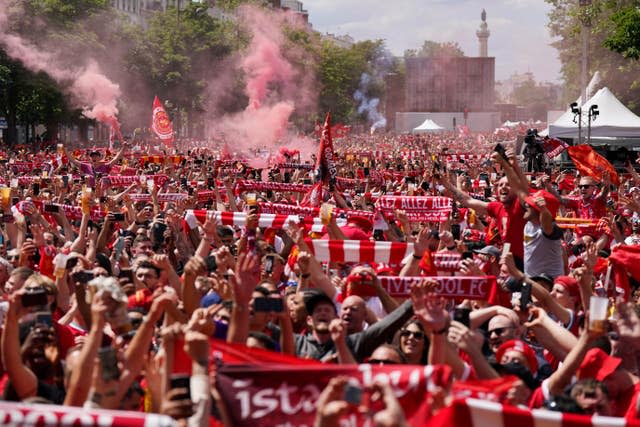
point(36, 188)
point(183, 182)
point(268, 264)
point(287, 177)
point(44, 318)
point(118, 216)
point(211, 264)
point(83, 276)
point(525, 296)
point(455, 231)
point(15, 200)
point(118, 247)
point(499, 148)
point(352, 394)
point(109, 363)
point(65, 180)
point(366, 172)
point(306, 181)
point(210, 182)
point(51, 208)
point(378, 235)
point(158, 230)
point(462, 315)
point(34, 298)
point(181, 381)
point(268, 305)
point(467, 255)
point(425, 185)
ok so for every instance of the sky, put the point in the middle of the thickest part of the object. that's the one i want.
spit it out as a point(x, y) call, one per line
point(519, 40)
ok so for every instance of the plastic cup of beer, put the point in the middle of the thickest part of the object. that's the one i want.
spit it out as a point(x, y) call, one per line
point(60, 148)
point(252, 199)
point(14, 183)
point(325, 213)
point(598, 311)
point(150, 184)
point(6, 195)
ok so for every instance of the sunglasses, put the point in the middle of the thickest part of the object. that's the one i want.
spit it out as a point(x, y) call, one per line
point(585, 186)
point(415, 334)
point(499, 331)
point(380, 362)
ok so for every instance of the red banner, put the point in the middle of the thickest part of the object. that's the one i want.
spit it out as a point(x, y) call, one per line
point(286, 395)
point(592, 164)
point(325, 163)
point(20, 414)
point(553, 147)
point(418, 208)
point(455, 287)
point(160, 123)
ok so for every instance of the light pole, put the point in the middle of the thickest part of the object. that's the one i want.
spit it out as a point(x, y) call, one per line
point(577, 115)
point(584, 32)
point(593, 115)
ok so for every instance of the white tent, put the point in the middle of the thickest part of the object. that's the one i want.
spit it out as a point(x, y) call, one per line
point(615, 120)
point(428, 126)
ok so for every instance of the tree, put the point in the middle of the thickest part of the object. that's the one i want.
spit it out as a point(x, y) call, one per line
point(620, 74)
point(626, 35)
point(435, 49)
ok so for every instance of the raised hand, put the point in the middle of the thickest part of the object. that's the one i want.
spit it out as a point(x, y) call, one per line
point(428, 307)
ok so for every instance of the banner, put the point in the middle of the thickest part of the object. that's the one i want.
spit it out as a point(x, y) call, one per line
point(325, 164)
point(592, 164)
point(453, 287)
point(310, 211)
point(480, 413)
point(360, 251)
point(279, 395)
point(418, 208)
point(265, 220)
point(126, 180)
point(160, 123)
point(20, 414)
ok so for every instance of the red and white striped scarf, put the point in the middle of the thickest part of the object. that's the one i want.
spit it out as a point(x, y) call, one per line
point(418, 208)
point(359, 251)
point(73, 212)
point(309, 211)
point(455, 287)
point(245, 185)
point(125, 180)
point(265, 220)
point(464, 156)
point(162, 197)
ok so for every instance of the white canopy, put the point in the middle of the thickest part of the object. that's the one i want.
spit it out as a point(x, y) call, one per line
point(428, 126)
point(615, 120)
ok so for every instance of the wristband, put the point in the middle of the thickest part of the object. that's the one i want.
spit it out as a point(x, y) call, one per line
point(306, 275)
point(417, 256)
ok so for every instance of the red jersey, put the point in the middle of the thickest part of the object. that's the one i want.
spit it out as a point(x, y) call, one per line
point(509, 222)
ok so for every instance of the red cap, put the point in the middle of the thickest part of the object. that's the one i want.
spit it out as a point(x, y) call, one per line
point(570, 284)
point(522, 347)
point(361, 222)
point(597, 364)
point(552, 203)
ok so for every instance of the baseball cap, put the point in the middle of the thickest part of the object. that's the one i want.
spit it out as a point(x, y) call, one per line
point(313, 297)
point(597, 364)
point(522, 347)
point(489, 250)
point(551, 201)
point(570, 284)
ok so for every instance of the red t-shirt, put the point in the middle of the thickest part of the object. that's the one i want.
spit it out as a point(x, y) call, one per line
point(594, 208)
point(509, 221)
point(632, 412)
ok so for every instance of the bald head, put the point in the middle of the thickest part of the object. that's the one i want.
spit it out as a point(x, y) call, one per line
point(352, 313)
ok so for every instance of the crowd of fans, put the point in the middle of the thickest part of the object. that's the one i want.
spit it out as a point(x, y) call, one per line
point(110, 284)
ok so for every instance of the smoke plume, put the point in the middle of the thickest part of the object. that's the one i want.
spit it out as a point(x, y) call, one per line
point(368, 103)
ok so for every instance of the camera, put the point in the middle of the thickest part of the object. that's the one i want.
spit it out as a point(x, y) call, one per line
point(531, 137)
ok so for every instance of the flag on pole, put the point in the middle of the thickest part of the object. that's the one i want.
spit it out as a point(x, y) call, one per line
point(325, 164)
point(114, 131)
point(160, 123)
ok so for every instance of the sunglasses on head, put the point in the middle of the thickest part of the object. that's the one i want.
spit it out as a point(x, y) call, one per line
point(416, 334)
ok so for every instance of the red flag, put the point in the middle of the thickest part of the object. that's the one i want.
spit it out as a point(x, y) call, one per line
point(625, 261)
point(553, 146)
point(161, 124)
point(325, 164)
point(592, 164)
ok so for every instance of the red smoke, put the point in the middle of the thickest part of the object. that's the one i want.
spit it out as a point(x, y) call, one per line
point(88, 86)
point(272, 85)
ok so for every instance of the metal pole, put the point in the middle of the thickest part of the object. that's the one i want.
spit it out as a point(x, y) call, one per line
point(589, 129)
point(580, 126)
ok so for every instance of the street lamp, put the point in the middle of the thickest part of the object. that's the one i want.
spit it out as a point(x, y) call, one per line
point(577, 118)
point(593, 115)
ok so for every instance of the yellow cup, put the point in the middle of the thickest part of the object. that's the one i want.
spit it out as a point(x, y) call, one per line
point(6, 195)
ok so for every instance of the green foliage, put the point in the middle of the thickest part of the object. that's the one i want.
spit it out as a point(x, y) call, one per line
point(620, 74)
point(626, 33)
point(435, 49)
